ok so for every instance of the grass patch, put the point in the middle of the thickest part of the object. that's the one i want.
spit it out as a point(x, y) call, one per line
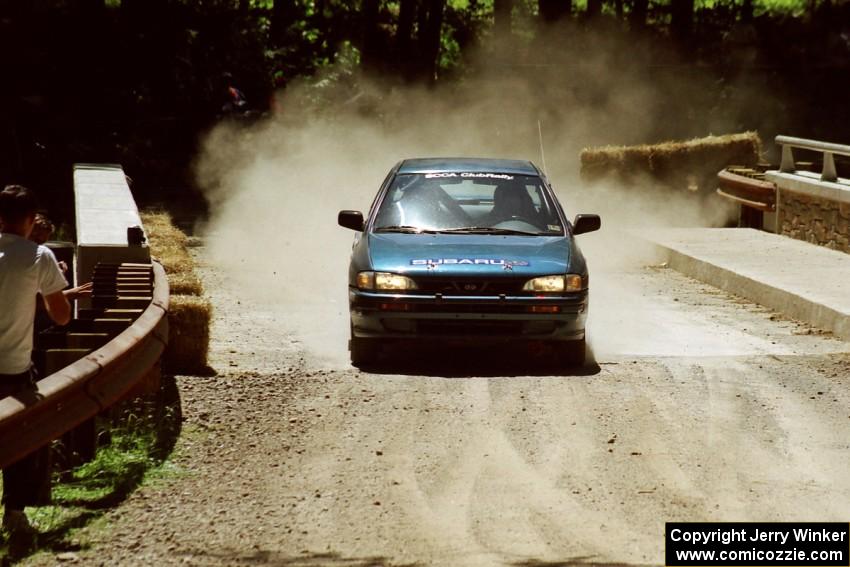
point(136, 439)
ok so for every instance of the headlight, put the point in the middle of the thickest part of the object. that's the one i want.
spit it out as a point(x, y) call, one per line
point(554, 284)
point(384, 281)
point(393, 282)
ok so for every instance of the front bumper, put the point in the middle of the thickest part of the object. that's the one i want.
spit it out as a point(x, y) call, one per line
point(405, 316)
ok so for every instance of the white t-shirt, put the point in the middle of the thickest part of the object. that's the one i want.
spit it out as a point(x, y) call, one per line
point(25, 269)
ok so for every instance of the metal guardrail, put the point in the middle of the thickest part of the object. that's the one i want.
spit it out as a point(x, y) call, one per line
point(747, 187)
point(85, 388)
point(828, 173)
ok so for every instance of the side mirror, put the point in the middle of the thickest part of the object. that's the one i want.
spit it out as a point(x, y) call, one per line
point(586, 223)
point(351, 219)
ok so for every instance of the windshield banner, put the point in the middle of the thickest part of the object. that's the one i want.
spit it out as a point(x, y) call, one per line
point(470, 174)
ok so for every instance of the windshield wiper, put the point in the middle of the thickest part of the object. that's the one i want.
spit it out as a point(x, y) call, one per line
point(486, 230)
point(404, 228)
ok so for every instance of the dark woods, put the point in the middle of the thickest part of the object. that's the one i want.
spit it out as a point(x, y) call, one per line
point(138, 81)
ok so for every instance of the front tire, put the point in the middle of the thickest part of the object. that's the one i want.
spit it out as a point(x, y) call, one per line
point(363, 351)
point(572, 353)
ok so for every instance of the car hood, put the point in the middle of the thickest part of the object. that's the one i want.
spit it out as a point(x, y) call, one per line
point(466, 254)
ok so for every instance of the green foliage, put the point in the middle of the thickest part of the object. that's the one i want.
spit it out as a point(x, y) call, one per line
point(450, 54)
point(334, 77)
point(145, 101)
point(793, 8)
point(134, 451)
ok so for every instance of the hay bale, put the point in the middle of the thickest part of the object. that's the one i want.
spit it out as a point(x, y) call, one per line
point(168, 244)
point(185, 284)
point(188, 334)
point(160, 228)
point(175, 260)
point(605, 161)
point(676, 164)
point(712, 153)
point(188, 313)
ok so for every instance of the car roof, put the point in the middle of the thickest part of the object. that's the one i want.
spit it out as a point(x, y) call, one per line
point(473, 165)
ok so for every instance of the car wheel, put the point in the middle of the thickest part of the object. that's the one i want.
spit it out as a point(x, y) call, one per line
point(363, 351)
point(572, 353)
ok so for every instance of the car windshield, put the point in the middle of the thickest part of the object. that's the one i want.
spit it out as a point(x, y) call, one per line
point(485, 203)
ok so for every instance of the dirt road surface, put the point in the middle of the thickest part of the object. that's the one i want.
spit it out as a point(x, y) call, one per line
point(698, 407)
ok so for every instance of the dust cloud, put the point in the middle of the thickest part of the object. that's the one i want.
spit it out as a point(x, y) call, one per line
point(275, 187)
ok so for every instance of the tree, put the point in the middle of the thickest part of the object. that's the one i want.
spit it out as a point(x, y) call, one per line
point(637, 15)
point(681, 18)
point(552, 11)
point(90, 7)
point(404, 36)
point(747, 11)
point(431, 27)
point(502, 14)
point(281, 19)
point(370, 41)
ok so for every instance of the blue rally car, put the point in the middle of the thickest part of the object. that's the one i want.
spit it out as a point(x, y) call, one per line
point(467, 248)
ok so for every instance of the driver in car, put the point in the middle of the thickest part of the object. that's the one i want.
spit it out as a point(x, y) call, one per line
point(510, 201)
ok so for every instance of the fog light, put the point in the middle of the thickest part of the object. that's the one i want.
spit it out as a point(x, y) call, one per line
point(366, 280)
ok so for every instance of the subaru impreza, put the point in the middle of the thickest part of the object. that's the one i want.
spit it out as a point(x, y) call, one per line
point(467, 249)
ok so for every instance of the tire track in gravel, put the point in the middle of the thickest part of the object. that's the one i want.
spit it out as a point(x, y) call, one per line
point(291, 458)
point(471, 479)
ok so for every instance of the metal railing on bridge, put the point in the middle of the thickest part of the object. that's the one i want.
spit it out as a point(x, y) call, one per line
point(829, 151)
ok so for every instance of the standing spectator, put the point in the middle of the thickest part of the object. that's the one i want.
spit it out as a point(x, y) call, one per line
point(42, 231)
point(26, 269)
point(234, 99)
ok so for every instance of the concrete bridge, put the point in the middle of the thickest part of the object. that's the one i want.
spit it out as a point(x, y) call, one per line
point(798, 263)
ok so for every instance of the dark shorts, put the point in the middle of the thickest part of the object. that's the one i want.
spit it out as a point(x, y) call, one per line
point(26, 482)
point(14, 383)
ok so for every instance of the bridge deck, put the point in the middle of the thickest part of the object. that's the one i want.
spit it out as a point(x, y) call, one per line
point(805, 281)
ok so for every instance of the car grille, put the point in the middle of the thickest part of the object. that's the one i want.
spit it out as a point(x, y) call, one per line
point(471, 286)
point(478, 328)
point(467, 308)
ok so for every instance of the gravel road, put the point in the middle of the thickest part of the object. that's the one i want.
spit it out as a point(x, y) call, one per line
point(699, 406)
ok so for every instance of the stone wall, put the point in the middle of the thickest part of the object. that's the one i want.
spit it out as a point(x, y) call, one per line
point(814, 219)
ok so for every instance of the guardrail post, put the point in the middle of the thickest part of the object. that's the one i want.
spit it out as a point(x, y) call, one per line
point(829, 173)
point(787, 165)
point(80, 444)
